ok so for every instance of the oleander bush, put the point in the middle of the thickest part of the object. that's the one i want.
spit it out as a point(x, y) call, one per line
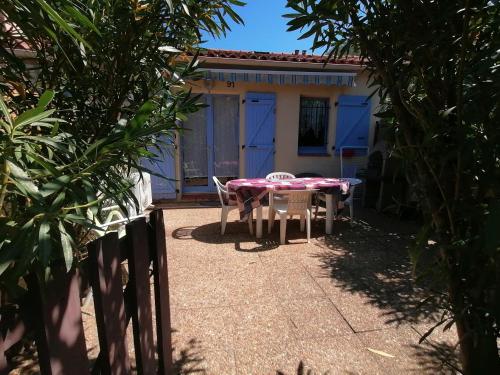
point(436, 67)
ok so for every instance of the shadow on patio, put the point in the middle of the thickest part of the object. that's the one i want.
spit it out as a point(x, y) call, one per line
point(363, 269)
point(237, 233)
point(364, 259)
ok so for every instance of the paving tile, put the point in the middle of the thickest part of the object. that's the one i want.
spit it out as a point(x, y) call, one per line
point(212, 362)
point(263, 340)
point(257, 326)
point(210, 328)
point(283, 358)
point(315, 317)
point(406, 355)
point(331, 286)
point(290, 279)
point(248, 283)
point(395, 347)
point(370, 306)
point(338, 355)
point(197, 283)
point(361, 313)
point(438, 335)
point(248, 306)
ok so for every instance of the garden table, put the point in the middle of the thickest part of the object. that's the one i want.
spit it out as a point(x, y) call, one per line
point(253, 193)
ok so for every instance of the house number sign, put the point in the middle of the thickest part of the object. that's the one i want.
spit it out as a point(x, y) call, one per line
point(230, 84)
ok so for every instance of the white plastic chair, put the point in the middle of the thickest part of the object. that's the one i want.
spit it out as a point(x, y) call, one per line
point(278, 176)
point(275, 176)
point(292, 202)
point(353, 182)
point(114, 220)
point(228, 203)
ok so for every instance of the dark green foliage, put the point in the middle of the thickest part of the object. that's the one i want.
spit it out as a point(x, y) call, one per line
point(436, 67)
point(104, 81)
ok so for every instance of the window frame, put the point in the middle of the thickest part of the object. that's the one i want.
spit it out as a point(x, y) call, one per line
point(314, 150)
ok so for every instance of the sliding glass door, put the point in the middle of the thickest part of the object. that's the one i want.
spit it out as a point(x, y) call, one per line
point(210, 144)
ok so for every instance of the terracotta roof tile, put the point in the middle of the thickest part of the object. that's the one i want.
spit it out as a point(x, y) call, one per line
point(274, 56)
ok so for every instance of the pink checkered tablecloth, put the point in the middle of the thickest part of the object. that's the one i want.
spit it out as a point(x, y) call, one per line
point(252, 192)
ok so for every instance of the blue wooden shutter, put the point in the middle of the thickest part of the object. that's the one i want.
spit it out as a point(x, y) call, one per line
point(163, 165)
point(353, 122)
point(259, 134)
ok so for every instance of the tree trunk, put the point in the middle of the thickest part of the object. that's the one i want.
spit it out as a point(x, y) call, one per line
point(478, 346)
point(479, 354)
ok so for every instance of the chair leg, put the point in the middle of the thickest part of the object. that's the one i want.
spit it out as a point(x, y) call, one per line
point(223, 219)
point(351, 210)
point(308, 224)
point(250, 223)
point(283, 221)
point(270, 219)
point(302, 222)
point(316, 212)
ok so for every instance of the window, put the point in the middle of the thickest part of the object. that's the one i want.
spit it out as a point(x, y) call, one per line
point(313, 125)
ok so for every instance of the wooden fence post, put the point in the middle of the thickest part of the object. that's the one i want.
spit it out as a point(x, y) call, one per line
point(162, 302)
point(59, 335)
point(106, 281)
point(140, 295)
point(12, 330)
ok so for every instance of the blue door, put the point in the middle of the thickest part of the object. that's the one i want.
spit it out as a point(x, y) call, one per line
point(210, 144)
point(353, 122)
point(260, 117)
point(163, 165)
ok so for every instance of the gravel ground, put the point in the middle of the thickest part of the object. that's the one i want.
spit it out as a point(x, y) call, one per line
point(341, 304)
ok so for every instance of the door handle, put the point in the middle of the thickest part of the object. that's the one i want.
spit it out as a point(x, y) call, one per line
point(252, 146)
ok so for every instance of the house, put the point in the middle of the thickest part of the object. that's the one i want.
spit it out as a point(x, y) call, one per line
point(270, 112)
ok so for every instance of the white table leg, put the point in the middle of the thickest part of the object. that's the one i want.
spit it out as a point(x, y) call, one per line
point(329, 213)
point(259, 222)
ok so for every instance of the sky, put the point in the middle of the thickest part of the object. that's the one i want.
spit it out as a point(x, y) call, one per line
point(264, 30)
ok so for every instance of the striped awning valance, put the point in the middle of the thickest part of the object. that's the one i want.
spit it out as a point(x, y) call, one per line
point(281, 77)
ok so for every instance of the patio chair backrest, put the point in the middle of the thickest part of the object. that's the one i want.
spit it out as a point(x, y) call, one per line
point(222, 191)
point(353, 182)
point(278, 176)
point(297, 200)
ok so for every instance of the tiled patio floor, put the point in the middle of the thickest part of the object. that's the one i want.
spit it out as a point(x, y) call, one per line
point(341, 304)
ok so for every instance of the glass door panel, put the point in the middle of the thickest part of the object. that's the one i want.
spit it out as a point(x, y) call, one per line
point(195, 150)
point(226, 137)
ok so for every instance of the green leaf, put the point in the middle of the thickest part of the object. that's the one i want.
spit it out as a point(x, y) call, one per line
point(142, 115)
point(44, 243)
point(22, 180)
point(45, 99)
point(48, 141)
point(81, 18)
point(67, 246)
point(54, 186)
point(61, 22)
point(385, 114)
point(5, 110)
point(32, 115)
